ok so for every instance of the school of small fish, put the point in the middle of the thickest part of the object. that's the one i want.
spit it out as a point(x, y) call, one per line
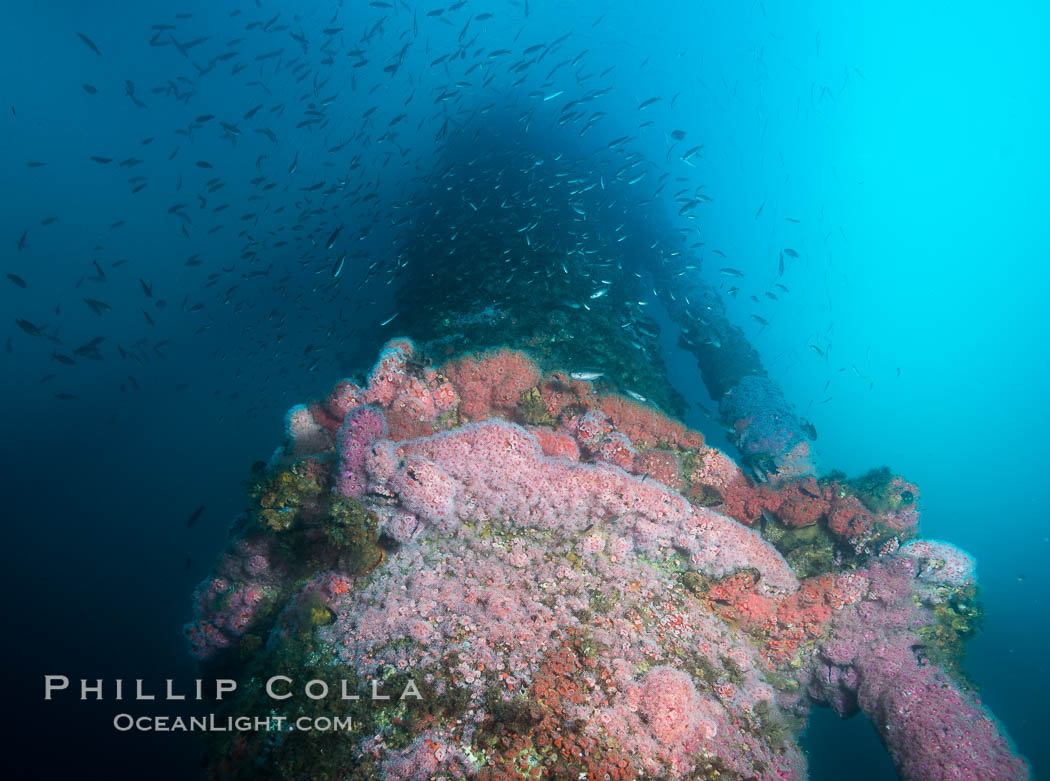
point(303, 184)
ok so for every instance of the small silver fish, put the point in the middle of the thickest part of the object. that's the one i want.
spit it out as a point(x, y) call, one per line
point(636, 396)
point(587, 375)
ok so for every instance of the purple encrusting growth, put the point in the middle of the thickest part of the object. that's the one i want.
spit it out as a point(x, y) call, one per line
point(564, 611)
point(940, 562)
point(226, 604)
point(496, 470)
point(361, 427)
point(872, 661)
point(510, 552)
point(771, 426)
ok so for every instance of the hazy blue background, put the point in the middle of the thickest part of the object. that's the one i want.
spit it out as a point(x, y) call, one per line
point(908, 140)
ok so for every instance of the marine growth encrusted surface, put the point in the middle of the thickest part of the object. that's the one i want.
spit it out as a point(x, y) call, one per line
point(565, 583)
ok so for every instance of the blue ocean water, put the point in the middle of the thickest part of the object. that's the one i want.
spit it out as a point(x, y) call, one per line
point(898, 149)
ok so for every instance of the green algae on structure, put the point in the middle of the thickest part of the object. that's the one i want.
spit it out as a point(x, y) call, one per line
point(298, 497)
point(957, 618)
point(873, 490)
point(810, 550)
point(352, 530)
point(533, 409)
point(282, 493)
